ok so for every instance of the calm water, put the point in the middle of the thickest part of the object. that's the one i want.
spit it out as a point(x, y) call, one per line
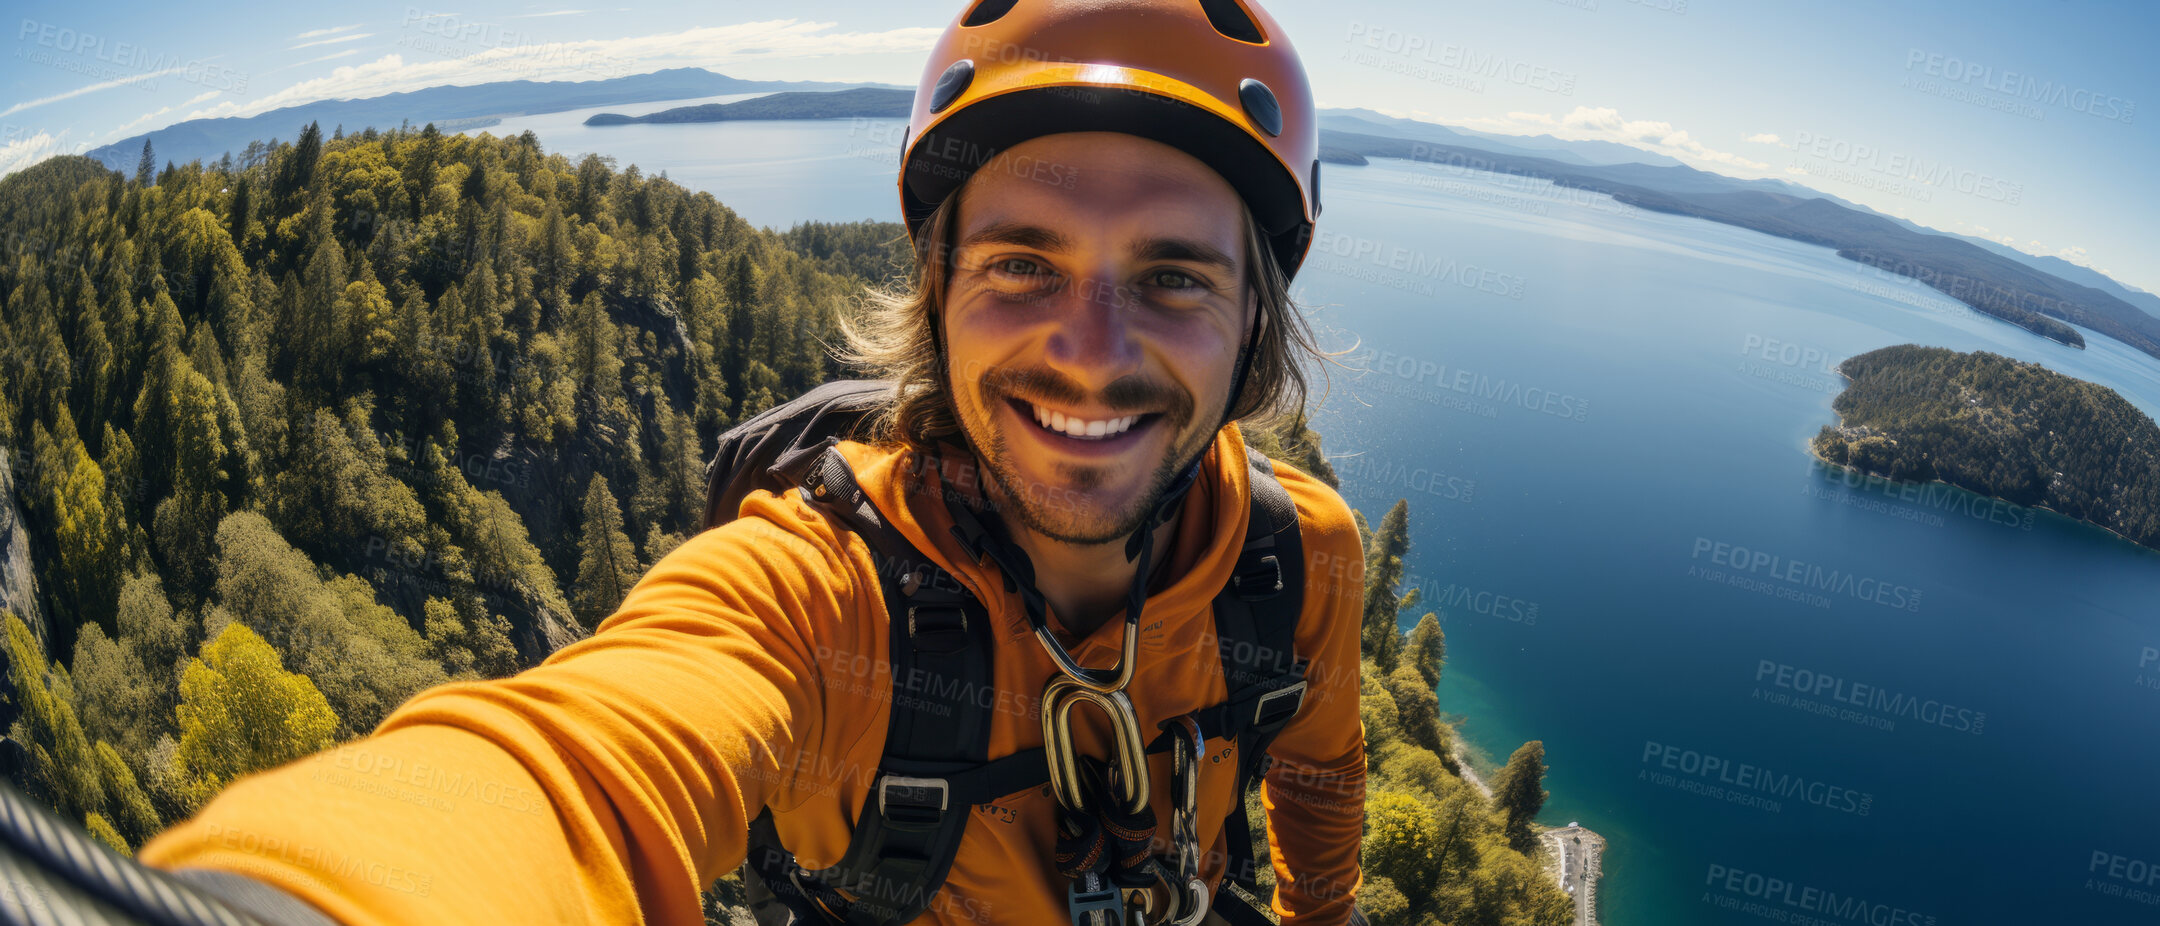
point(1774, 693)
point(772, 173)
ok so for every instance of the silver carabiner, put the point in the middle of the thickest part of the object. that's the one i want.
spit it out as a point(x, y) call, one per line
point(1190, 905)
point(1120, 674)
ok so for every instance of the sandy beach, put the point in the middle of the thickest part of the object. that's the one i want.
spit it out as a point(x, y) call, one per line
point(1572, 853)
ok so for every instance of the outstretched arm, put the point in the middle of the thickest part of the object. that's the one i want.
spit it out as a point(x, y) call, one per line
point(606, 785)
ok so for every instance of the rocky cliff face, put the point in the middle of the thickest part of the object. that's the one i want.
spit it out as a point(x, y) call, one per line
point(18, 584)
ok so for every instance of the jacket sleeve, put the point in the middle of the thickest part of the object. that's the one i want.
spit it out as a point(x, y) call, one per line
point(1314, 793)
point(606, 785)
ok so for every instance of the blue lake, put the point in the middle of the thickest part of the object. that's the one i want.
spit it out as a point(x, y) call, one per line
point(1777, 694)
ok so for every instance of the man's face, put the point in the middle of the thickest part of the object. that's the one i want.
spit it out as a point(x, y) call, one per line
point(1092, 321)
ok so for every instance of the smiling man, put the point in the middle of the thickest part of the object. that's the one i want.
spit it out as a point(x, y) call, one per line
point(1013, 655)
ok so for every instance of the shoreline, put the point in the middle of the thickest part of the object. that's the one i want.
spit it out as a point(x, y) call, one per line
point(2074, 519)
point(1573, 853)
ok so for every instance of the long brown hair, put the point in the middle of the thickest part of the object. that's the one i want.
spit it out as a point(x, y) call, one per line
point(895, 336)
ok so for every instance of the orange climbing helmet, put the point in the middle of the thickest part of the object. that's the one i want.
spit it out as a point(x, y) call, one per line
point(1216, 79)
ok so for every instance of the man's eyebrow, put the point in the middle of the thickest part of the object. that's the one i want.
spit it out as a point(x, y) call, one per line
point(1020, 234)
point(1038, 237)
point(1185, 249)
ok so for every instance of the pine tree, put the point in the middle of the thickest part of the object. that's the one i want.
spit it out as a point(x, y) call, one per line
point(1383, 571)
point(1519, 793)
point(146, 168)
point(607, 563)
point(1428, 648)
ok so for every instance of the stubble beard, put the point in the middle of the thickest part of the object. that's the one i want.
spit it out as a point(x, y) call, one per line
point(1068, 513)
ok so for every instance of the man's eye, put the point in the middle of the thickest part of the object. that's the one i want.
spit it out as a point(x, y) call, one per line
point(1016, 267)
point(1175, 279)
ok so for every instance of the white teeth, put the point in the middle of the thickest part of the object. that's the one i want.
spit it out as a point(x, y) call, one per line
point(1086, 430)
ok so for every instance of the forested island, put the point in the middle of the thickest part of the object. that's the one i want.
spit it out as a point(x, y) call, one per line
point(860, 103)
point(297, 435)
point(2002, 428)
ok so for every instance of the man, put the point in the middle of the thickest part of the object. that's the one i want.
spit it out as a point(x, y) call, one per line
point(1107, 199)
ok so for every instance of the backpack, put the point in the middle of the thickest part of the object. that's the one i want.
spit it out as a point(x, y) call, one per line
point(935, 766)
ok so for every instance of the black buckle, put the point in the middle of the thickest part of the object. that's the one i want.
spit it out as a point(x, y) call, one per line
point(912, 802)
point(1269, 712)
point(1262, 582)
point(1109, 901)
point(937, 629)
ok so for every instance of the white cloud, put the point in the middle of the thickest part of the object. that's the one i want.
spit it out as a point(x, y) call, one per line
point(333, 30)
point(301, 64)
point(122, 128)
point(343, 38)
point(555, 13)
point(23, 152)
point(1604, 123)
point(590, 59)
point(125, 127)
point(1763, 138)
point(93, 88)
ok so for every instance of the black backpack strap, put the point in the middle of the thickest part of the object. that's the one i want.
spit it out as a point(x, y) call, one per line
point(767, 451)
point(934, 768)
point(1256, 618)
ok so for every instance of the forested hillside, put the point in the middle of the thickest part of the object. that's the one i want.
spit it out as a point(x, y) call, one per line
point(410, 406)
point(296, 436)
point(2002, 428)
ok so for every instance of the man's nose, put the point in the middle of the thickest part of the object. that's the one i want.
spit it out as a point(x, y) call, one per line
point(1095, 342)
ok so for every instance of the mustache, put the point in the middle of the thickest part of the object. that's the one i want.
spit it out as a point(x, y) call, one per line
point(1130, 393)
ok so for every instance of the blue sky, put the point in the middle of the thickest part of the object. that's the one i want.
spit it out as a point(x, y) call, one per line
point(2031, 124)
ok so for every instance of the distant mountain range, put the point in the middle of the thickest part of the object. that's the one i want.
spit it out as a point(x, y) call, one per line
point(450, 108)
point(2032, 291)
point(863, 103)
point(1368, 122)
point(1992, 283)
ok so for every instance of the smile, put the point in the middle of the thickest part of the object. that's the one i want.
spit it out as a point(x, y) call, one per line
point(1107, 428)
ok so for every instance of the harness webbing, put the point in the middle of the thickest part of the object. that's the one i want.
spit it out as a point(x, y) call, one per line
point(935, 766)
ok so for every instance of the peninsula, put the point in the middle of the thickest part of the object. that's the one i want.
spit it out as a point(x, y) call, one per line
point(860, 103)
point(1999, 427)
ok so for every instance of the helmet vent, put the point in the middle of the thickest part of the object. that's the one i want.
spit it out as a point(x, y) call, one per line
point(988, 11)
point(1229, 18)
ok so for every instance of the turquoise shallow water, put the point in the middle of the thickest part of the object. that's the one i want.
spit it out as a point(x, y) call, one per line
point(1779, 696)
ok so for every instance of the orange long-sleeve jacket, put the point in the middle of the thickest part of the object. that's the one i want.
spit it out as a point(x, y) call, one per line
point(746, 670)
